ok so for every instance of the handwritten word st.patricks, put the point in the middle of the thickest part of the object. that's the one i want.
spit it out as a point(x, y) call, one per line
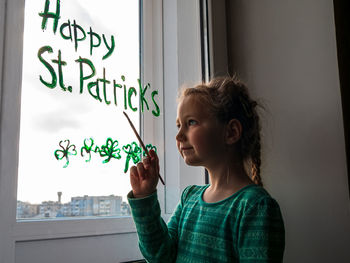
point(101, 88)
point(110, 150)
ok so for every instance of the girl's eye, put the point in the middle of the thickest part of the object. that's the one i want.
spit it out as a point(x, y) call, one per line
point(192, 122)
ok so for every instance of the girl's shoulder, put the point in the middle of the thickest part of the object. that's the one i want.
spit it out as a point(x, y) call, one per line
point(250, 192)
point(248, 197)
point(253, 192)
point(256, 197)
point(192, 191)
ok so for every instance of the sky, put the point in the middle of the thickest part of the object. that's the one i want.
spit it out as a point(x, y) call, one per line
point(49, 116)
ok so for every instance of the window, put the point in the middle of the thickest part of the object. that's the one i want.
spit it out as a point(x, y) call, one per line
point(109, 206)
point(80, 72)
point(170, 56)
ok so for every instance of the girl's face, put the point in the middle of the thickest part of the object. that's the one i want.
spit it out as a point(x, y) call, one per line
point(200, 137)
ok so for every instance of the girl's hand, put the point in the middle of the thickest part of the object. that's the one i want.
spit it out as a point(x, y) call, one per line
point(144, 176)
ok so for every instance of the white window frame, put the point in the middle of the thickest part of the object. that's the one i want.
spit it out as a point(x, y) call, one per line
point(172, 46)
point(182, 66)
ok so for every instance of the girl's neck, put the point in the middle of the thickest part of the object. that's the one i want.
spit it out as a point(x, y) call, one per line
point(229, 176)
point(224, 182)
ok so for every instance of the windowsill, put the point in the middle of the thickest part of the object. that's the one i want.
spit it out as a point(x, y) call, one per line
point(29, 230)
point(67, 228)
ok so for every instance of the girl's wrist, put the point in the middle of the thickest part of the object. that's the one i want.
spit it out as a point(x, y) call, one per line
point(141, 195)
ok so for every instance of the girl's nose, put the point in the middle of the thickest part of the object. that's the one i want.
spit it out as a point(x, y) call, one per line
point(180, 135)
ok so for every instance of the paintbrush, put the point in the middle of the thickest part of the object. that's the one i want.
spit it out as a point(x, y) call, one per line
point(141, 142)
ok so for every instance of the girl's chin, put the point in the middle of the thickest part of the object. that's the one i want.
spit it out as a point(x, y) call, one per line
point(192, 161)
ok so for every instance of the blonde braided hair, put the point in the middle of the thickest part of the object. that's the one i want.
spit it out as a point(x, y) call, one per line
point(228, 98)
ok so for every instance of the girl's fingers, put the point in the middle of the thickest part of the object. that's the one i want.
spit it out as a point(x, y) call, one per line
point(133, 172)
point(141, 170)
point(134, 176)
point(153, 155)
point(146, 163)
point(154, 159)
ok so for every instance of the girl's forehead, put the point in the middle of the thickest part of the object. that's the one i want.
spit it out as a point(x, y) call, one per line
point(191, 104)
point(188, 102)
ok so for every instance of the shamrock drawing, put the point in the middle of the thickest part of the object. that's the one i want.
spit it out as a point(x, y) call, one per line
point(65, 152)
point(110, 150)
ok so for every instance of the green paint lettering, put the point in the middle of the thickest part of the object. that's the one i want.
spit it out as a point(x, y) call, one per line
point(46, 14)
point(105, 82)
point(142, 95)
point(82, 77)
point(48, 66)
point(62, 27)
point(156, 112)
point(61, 63)
point(77, 27)
point(110, 48)
point(92, 35)
point(125, 105)
point(115, 86)
point(131, 91)
point(97, 90)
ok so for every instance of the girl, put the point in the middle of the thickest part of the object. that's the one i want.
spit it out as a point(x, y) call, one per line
point(233, 219)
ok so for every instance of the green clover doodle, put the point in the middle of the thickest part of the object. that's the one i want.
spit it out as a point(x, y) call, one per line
point(110, 149)
point(65, 152)
point(88, 148)
point(133, 152)
point(150, 147)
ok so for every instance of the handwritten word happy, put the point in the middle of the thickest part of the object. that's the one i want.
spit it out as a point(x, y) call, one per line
point(74, 32)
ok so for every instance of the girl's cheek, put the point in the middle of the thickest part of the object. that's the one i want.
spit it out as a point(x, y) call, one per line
point(200, 140)
point(178, 147)
point(207, 141)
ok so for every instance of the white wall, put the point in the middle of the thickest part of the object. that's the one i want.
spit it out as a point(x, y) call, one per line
point(285, 50)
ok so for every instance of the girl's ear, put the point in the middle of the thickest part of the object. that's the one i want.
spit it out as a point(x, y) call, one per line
point(233, 131)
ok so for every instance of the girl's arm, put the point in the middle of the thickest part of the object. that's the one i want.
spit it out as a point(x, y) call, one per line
point(156, 242)
point(261, 233)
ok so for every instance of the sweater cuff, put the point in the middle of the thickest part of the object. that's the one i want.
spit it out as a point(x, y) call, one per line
point(143, 202)
point(145, 212)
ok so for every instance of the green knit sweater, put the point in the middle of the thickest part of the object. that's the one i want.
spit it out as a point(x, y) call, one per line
point(245, 227)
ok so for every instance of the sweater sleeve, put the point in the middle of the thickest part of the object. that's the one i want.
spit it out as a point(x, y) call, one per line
point(261, 233)
point(156, 242)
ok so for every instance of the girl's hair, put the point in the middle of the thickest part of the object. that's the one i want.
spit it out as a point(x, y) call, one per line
point(228, 98)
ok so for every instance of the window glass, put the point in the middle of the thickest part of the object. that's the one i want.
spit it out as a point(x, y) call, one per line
point(81, 62)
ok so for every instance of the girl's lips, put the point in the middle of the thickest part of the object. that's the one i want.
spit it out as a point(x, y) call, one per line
point(186, 148)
